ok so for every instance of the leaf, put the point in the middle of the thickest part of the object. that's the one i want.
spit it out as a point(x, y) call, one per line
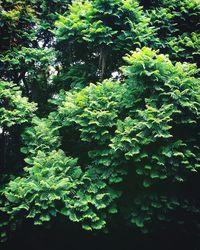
point(147, 183)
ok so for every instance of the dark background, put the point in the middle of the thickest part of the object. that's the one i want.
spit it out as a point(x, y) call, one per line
point(72, 237)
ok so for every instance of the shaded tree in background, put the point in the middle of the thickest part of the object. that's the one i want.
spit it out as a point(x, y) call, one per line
point(94, 35)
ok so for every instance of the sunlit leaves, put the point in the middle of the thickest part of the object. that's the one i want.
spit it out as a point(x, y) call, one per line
point(101, 29)
point(56, 185)
point(127, 148)
point(14, 109)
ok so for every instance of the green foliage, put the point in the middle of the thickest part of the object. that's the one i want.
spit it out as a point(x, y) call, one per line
point(17, 20)
point(100, 29)
point(56, 185)
point(25, 57)
point(163, 209)
point(14, 109)
point(15, 113)
point(141, 122)
point(115, 131)
point(93, 110)
point(40, 136)
point(155, 134)
point(122, 148)
point(25, 22)
point(29, 67)
point(178, 27)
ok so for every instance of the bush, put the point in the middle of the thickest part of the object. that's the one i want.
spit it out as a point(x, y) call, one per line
point(137, 145)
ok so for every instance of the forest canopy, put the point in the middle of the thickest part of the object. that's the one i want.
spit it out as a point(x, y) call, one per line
point(100, 114)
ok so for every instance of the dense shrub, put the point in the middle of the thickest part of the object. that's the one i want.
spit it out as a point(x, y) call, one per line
point(100, 114)
point(115, 131)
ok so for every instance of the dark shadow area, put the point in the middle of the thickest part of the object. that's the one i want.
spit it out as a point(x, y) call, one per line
point(73, 238)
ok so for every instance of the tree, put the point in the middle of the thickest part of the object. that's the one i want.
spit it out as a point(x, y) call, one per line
point(130, 144)
point(15, 111)
point(124, 148)
point(91, 38)
point(177, 28)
